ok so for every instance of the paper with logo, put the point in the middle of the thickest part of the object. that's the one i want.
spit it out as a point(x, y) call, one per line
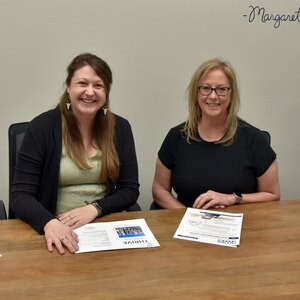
point(213, 227)
point(115, 235)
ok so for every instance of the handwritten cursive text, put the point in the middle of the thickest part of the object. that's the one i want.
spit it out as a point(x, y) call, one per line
point(261, 13)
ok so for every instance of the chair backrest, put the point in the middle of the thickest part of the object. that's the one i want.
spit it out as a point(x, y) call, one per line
point(267, 135)
point(16, 134)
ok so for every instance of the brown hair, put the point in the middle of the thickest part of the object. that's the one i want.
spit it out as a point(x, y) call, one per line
point(104, 127)
point(195, 113)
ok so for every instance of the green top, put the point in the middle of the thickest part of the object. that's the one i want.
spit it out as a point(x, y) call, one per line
point(76, 185)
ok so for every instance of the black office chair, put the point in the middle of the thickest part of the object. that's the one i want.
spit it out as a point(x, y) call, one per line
point(3, 215)
point(267, 135)
point(16, 134)
point(134, 207)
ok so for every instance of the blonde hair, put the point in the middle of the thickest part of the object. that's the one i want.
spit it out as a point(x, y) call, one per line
point(104, 127)
point(195, 113)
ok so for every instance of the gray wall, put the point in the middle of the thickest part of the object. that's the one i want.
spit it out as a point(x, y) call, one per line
point(153, 47)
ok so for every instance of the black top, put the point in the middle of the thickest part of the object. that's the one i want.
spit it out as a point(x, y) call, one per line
point(200, 166)
point(34, 189)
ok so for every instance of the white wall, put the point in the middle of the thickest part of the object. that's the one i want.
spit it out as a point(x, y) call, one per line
point(153, 47)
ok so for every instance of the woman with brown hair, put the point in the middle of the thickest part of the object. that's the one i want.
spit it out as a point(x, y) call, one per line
point(77, 161)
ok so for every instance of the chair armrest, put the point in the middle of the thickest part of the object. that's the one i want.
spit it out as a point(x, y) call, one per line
point(134, 207)
point(3, 215)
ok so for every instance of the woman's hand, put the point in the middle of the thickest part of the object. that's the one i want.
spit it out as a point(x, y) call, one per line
point(60, 235)
point(79, 216)
point(214, 200)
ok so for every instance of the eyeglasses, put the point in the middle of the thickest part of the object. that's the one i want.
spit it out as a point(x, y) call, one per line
point(207, 90)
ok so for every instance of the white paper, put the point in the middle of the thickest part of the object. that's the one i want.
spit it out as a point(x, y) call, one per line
point(115, 235)
point(213, 227)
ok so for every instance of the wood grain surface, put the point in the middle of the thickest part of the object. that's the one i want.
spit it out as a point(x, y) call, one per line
point(265, 266)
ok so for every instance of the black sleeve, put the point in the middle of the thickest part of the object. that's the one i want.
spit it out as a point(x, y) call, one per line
point(167, 151)
point(25, 198)
point(125, 191)
point(262, 153)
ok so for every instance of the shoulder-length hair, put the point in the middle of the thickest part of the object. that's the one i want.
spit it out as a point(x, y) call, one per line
point(195, 113)
point(104, 126)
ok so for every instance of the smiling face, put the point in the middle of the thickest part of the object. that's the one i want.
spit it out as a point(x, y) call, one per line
point(213, 105)
point(87, 92)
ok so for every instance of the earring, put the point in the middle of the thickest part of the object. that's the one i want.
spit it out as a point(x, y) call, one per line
point(105, 109)
point(68, 105)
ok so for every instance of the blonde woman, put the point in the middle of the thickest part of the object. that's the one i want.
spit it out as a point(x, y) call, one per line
point(214, 159)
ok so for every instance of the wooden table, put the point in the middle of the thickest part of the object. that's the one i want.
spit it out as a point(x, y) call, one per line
point(265, 266)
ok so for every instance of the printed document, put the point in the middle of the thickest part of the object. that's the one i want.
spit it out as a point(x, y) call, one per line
point(213, 227)
point(115, 235)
